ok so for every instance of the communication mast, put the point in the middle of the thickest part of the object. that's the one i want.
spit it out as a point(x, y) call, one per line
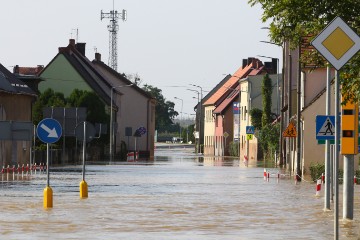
point(113, 27)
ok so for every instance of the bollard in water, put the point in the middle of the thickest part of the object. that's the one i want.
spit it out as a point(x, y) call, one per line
point(48, 197)
point(318, 187)
point(265, 174)
point(83, 189)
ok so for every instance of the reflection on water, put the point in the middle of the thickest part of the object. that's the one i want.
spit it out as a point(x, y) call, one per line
point(178, 195)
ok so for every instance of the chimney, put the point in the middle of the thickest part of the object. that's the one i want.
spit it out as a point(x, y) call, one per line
point(275, 65)
point(39, 68)
point(244, 63)
point(81, 48)
point(16, 69)
point(72, 42)
point(98, 57)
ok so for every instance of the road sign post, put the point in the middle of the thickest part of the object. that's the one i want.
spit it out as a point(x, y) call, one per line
point(338, 43)
point(48, 131)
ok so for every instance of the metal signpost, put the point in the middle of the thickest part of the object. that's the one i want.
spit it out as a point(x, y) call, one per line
point(48, 131)
point(84, 132)
point(337, 42)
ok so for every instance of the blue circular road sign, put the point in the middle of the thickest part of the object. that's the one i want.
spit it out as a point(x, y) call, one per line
point(49, 130)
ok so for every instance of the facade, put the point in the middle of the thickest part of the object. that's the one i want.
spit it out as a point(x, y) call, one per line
point(200, 112)
point(70, 69)
point(219, 117)
point(16, 100)
point(135, 109)
point(251, 97)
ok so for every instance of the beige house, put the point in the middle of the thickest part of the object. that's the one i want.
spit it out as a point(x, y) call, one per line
point(312, 151)
point(251, 97)
point(135, 109)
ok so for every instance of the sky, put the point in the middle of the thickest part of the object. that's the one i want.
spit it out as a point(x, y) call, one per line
point(169, 44)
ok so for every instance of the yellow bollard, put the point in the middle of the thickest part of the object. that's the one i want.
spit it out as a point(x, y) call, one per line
point(48, 197)
point(83, 189)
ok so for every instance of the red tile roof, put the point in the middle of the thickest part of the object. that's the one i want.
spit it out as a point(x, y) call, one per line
point(229, 99)
point(29, 71)
point(239, 74)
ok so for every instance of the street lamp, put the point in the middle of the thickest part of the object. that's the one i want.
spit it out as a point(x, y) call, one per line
point(182, 101)
point(111, 118)
point(201, 97)
point(199, 118)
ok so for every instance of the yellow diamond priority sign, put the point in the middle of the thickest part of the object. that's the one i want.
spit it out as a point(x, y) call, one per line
point(337, 43)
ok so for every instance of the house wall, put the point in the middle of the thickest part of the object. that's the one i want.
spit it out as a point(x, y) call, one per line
point(313, 83)
point(61, 76)
point(15, 107)
point(251, 97)
point(219, 137)
point(312, 151)
point(228, 125)
point(134, 110)
point(209, 131)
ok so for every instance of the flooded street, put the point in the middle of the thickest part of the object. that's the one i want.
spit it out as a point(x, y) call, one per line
point(177, 196)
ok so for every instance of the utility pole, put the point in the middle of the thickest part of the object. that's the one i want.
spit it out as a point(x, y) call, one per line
point(113, 27)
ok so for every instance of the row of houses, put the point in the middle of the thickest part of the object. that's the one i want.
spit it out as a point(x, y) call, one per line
point(299, 88)
point(69, 69)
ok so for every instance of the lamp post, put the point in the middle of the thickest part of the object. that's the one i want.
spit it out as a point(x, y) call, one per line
point(111, 118)
point(201, 97)
point(182, 101)
point(199, 119)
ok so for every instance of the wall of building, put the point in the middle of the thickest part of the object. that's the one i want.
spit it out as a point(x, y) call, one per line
point(61, 76)
point(15, 107)
point(209, 130)
point(312, 151)
point(134, 110)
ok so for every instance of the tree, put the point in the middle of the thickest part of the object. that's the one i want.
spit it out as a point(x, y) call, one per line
point(266, 90)
point(295, 20)
point(48, 98)
point(256, 114)
point(165, 112)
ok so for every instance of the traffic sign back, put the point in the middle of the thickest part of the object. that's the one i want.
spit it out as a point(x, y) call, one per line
point(49, 130)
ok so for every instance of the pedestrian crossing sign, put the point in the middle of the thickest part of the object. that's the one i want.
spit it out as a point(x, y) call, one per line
point(250, 129)
point(290, 131)
point(325, 127)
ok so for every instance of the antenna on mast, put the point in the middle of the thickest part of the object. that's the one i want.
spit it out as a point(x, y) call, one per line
point(76, 30)
point(113, 27)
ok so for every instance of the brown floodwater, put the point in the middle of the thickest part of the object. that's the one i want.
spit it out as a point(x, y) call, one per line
point(179, 195)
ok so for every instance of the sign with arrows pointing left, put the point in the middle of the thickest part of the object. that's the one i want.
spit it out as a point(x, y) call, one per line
point(49, 130)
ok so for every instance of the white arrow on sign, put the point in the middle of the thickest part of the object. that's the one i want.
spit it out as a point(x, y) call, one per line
point(52, 132)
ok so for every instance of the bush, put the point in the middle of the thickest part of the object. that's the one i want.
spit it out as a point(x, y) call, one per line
point(316, 169)
point(234, 149)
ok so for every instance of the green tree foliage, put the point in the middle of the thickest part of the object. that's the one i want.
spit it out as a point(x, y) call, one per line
point(266, 90)
point(256, 114)
point(48, 98)
point(187, 133)
point(165, 112)
point(78, 98)
point(95, 108)
point(293, 20)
